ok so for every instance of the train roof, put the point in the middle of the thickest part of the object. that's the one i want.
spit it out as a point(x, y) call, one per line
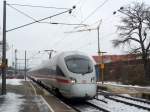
point(52, 61)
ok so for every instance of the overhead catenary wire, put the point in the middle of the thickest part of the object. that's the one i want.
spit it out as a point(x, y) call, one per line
point(36, 6)
point(77, 31)
point(89, 29)
point(70, 10)
point(81, 4)
point(34, 18)
point(55, 23)
point(93, 12)
point(101, 5)
point(92, 42)
point(78, 2)
point(59, 41)
point(22, 12)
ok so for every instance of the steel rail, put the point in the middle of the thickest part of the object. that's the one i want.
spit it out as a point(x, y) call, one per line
point(127, 103)
point(100, 100)
point(130, 98)
point(134, 99)
point(64, 100)
point(97, 107)
point(50, 91)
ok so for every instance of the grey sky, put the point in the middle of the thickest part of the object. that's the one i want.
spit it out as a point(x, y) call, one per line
point(46, 36)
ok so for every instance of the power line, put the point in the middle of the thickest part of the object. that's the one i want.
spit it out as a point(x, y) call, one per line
point(37, 6)
point(70, 11)
point(43, 22)
point(22, 12)
point(81, 5)
point(91, 43)
point(78, 2)
point(95, 10)
point(55, 23)
point(73, 40)
point(89, 29)
point(64, 23)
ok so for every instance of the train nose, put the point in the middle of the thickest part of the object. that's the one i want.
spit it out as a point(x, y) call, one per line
point(84, 90)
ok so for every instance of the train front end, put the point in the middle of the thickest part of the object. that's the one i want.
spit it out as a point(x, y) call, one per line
point(81, 73)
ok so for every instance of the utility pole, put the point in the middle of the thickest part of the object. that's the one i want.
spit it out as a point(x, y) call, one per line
point(15, 61)
point(100, 54)
point(98, 40)
point(98, 49)
point(102, 66)
point(4, 51)
point(25, 66)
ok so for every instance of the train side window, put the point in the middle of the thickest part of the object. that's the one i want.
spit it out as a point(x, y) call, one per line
point(59, 71)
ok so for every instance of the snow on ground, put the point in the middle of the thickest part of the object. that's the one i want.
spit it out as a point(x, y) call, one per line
point(131, 101)
point(127, 95)
point(11, 102)
point(116, 106)
point(13, 81)
point(122, 85)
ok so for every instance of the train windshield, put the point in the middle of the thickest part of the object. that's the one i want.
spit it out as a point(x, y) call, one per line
point(79, 64)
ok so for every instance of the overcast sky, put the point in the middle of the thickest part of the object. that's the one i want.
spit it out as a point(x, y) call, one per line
point(41, 36)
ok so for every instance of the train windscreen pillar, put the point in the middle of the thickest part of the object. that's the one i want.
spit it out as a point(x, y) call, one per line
point(97, 70)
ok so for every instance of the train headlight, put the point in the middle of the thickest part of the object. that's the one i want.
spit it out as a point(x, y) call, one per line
point(73, 81)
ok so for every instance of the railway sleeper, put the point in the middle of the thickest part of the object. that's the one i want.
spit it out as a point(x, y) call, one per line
point(127, 103)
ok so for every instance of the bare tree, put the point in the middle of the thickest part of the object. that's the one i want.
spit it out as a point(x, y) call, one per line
point(134, 32)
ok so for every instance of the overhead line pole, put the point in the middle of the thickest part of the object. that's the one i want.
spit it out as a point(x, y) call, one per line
point(50, 52)
point(4, 60)
point(4, 64)
point(25, 69)
point(16, 62)
point(99, 52)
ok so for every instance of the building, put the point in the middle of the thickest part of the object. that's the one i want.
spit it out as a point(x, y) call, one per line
point(114, 58)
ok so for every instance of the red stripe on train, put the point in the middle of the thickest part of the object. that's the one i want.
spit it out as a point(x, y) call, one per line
point(59, 80)
point(62, 80)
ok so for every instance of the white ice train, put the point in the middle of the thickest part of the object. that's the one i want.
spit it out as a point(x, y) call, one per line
point(70, 73)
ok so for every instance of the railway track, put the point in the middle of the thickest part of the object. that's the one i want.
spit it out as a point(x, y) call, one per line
point(100, 100)
point(139, 103)
point(97, 107)
point(130, 98)
point(92, 107)
point(79, 108)
point(87, 106)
